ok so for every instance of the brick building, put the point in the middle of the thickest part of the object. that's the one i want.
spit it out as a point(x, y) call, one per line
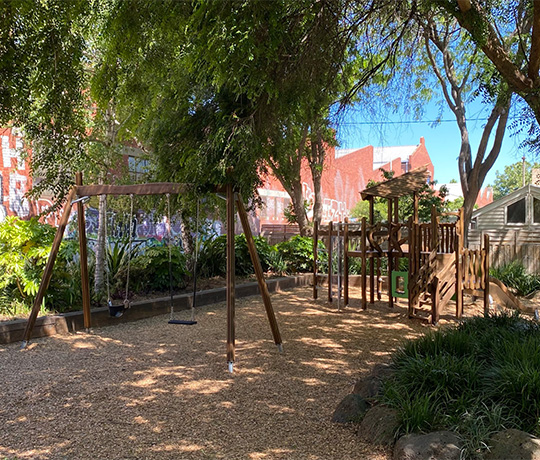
point(346, 174)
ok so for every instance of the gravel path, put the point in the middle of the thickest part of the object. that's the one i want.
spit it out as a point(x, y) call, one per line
point(150, 390)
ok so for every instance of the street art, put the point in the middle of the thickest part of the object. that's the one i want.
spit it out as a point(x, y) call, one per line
point(18, 204)
point(333, 210)
point(14, 178)
point(146, 226)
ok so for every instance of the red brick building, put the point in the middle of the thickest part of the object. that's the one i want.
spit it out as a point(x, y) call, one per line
point(346, 174)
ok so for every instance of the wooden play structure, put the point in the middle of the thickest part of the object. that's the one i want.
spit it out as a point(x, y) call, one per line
point(438, 267)
point(76, 196)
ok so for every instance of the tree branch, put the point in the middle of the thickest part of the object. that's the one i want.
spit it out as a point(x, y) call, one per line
point(534, 60)
point(441, 79)
point(494, 49)
point(497, 142)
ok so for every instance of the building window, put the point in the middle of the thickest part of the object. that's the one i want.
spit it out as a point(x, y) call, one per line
point(515, 212)
point(138, 167)
point(536, 211)
point(474, 223)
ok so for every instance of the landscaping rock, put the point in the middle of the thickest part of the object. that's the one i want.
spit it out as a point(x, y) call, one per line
point(379, 426)
point(439, 445)
point(513, 444)
point(352, 408)
point(371, 386)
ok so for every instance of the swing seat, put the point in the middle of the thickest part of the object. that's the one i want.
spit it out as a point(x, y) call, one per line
point(185, 322)
point(116, 311)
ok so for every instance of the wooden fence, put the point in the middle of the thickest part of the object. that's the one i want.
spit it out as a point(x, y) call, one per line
point(506, 246)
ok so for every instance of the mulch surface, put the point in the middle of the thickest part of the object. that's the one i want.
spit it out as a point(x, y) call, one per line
point(150, 390)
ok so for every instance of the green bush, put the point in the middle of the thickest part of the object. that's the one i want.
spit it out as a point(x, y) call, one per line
point(149, 271)
point(297, 253)
point(213, 262)
point(458, 379)
point(516, 278)
point(25, 246)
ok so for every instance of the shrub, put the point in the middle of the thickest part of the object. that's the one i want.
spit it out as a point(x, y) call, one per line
point(25, 246)
point(150, 269)
point(457, 379)
point(213, 262)
point(297, 253)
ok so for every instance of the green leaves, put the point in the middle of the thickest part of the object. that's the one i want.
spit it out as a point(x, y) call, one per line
point(24, 249)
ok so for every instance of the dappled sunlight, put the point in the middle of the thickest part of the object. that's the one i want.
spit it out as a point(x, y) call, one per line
point(147, 390)
point(327, 365)
point(80, 344)
point(140, 420)
point(271, 453)
point(322, 343)
point(179, 447)
point(146, 381)
point(205, 387)
point(310, 382)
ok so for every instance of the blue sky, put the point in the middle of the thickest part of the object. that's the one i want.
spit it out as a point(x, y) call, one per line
point(442, 141)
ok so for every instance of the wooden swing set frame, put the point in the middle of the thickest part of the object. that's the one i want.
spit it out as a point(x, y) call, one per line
point(76, 195)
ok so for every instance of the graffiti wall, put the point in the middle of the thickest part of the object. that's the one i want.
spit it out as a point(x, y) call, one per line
point(15, 178)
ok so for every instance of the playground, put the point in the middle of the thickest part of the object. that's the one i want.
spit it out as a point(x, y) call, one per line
point(148, 389)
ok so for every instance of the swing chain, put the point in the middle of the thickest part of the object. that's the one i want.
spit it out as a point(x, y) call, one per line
point(127, 302)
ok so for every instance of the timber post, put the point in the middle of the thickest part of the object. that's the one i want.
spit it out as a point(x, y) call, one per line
point(47, 272)
point(363, 277)
point(315, 258)
point(263, 287)
point(330, 256)
point(372, 260)
point(485, 253)
point(85, 281)
point(346, 262)
point(230, 279)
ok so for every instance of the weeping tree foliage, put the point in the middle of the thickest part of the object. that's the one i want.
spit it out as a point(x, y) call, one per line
point(223, 89)
point(42, 75)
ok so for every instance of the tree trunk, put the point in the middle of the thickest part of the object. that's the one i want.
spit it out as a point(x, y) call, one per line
point(316, 164)
point(187, 239)
point(299, 208)
point(318, 204)
point(100, 272)
point(469, 200)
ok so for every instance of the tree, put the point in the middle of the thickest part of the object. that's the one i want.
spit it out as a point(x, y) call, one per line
point(456, 68)
point(508, 33)
point(228, 81)
point(42, 77)
point(512, 178)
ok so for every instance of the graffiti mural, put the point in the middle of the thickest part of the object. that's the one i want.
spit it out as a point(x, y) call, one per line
point(332, 209)
point(15, 180)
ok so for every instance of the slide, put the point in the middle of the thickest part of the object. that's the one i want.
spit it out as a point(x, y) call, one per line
point(502, 296)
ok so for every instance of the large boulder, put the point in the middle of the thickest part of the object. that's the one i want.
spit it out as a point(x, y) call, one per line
point(371, 386)
point(379, 426)
point(513, 444)
point(352, 408)
point(439, 445)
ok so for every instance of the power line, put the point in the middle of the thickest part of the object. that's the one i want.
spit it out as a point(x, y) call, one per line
point(402, 122)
